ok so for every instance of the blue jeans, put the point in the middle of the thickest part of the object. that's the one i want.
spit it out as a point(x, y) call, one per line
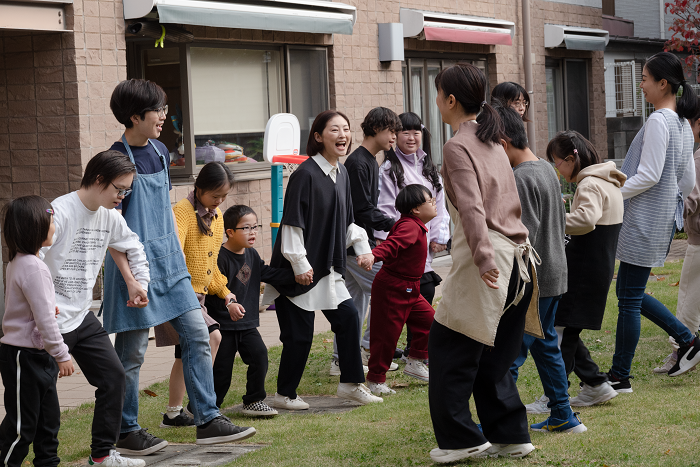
point(632, 301)
point(548, 360)
point(196, 363)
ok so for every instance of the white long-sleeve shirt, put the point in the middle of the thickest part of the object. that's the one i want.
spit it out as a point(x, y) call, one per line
point(653, 158)
point(79, 246)
point(330, 290)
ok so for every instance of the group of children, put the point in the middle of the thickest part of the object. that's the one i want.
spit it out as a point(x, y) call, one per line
point(351, 234)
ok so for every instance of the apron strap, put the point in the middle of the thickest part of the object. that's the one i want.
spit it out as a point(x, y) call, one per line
point(525, 255)
point(128, 148)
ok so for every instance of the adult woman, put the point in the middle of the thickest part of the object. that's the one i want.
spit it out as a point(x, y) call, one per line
point(480, 307)
point(510, 94)
point(660, 175)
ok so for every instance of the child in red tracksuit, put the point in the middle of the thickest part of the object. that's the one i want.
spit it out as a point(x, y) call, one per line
point(396, 298)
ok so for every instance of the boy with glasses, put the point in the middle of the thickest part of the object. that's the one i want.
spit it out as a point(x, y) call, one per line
point(241, 264)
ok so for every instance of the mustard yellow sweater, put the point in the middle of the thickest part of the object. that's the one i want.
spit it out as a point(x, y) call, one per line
point(201, 251)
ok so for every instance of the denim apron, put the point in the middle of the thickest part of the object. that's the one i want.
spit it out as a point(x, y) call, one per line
point(170, 292)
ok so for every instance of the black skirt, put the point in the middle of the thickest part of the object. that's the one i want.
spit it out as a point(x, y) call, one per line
point(591, 262)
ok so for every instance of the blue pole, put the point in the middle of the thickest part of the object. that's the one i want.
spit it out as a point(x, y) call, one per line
point(276, 178)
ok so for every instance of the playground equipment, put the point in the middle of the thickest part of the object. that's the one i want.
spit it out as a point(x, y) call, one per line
point(281, 149)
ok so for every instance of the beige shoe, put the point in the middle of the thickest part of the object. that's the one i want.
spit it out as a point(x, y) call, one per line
point(283, 402)
point(668, 363)
point(357, 392)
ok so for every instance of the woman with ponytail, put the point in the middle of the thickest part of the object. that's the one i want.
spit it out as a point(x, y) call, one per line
point(200, 227)
point(411, 163)
point(490, 294)
point(660, 175)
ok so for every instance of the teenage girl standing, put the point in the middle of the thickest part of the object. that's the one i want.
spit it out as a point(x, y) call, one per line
point(660, 175)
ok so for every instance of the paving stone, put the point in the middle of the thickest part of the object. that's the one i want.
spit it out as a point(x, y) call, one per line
point(183, 455)
point(318, 405)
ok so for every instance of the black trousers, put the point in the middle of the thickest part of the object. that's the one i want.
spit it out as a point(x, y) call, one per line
point(461, 366)
point(250, 346)
point(427, 290)
point(296, 334)
point(578, 359)
point(29, 377)
point(93, 351)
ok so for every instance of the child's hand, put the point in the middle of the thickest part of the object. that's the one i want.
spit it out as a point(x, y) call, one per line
point(365, 261)
point(57, 312)
point(306, 278)
point(378, 241)
point(490, 278)
point(437, 247)
point(65, 368)
point(235, 311)
point(138, 298)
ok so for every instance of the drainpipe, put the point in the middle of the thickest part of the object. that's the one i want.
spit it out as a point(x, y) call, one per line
point(527, 65)
point(662, 20)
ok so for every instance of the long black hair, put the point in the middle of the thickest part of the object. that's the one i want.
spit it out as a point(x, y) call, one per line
point(412, 122)
point(665, 65)
point(467, 84)
point(213, 176)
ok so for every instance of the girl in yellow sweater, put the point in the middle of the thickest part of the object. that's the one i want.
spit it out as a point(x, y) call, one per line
point(200, 227)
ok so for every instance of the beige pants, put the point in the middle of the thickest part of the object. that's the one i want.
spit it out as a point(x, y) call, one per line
point(688, 310)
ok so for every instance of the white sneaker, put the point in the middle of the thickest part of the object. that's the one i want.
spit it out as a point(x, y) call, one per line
point(115, 459)
point(417, 369)
point(508, 450)
point(335, 368)
point(539, 406)
point(669, 361)
point(282, 402)
point(365, 360)
point(444, 456)
point(357, 392)
point(379, 389)
point(394, 366)
point(365, 368)
point(592, 395)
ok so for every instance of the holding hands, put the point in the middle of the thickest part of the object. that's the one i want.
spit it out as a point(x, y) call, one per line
point(305, 278)
point(138, 298)
point(365, 261)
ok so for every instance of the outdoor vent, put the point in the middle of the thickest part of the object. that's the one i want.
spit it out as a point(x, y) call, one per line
point(431, 26)
point(312, 16)
point(574, 38)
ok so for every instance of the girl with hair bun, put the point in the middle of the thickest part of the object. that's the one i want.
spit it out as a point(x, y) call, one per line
point(489, 293)
point(660, 175)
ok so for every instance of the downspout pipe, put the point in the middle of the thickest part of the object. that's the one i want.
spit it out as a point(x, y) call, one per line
point(527, 65)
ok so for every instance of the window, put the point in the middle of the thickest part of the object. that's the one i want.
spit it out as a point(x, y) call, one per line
point(223, 95)
point(567, 96)
point(420, 94)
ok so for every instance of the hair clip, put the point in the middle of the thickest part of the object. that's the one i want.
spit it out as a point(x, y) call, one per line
point(483, 103)
point(422, 127)
point(50, 211)
point(576, 151)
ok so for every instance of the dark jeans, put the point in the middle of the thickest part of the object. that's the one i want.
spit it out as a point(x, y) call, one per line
point(91, 348)
point(427, 290)
point(548, 359)
point(460, 366)
point(250, 346)
point(296, 334)
point(633, 302)
point(578, 359)
point(29, 377)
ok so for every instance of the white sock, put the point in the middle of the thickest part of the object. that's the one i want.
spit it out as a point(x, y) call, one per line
point(173, 412)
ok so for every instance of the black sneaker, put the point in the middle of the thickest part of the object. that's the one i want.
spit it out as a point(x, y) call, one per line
point(140, 443)
point(620, 385)
point(222, 430)
point(688, 357)
point(182, 419)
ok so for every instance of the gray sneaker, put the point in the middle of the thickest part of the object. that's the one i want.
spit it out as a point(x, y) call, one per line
point(140, 443)
point(222, 430)
point(539, 406)
point(592, 395)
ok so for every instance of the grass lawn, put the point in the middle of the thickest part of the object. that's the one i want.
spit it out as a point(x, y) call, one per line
point(657, 425)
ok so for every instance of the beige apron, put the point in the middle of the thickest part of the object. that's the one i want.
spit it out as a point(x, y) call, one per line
point(472, 308)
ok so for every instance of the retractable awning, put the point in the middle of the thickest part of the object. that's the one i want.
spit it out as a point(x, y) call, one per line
point(574, 38)
point(313, 16)
point(431, 26)
point(34, 15)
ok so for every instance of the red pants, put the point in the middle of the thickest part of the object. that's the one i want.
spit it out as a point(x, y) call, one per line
point(396, 302)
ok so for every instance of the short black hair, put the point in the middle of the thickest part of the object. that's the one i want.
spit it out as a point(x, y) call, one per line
point(513, 126)
point(27, 223)
point(508, 92)
point(108, 165)
point(379, 119)
point(136, 97)
point(410, 197)
point(234, 214)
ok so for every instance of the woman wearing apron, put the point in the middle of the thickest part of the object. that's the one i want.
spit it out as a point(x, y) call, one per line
point(489, 297)
point(140, 106)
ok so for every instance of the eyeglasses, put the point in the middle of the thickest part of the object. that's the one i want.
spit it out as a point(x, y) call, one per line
point(122, 192)
point(161, 111)
point(248, 228)
point(431, 201)
point(557, 164)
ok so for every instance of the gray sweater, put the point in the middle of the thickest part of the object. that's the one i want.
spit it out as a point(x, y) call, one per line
point(545, 218)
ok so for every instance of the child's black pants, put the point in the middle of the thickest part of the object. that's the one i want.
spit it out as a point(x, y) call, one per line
point(250, 346)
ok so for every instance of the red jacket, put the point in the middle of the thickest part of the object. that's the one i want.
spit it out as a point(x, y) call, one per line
point(405, 249)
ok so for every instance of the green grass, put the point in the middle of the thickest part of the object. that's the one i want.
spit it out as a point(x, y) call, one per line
point(657, 425)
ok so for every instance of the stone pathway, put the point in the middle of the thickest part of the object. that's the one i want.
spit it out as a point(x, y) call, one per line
point(318, 405)
point(182, 455)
